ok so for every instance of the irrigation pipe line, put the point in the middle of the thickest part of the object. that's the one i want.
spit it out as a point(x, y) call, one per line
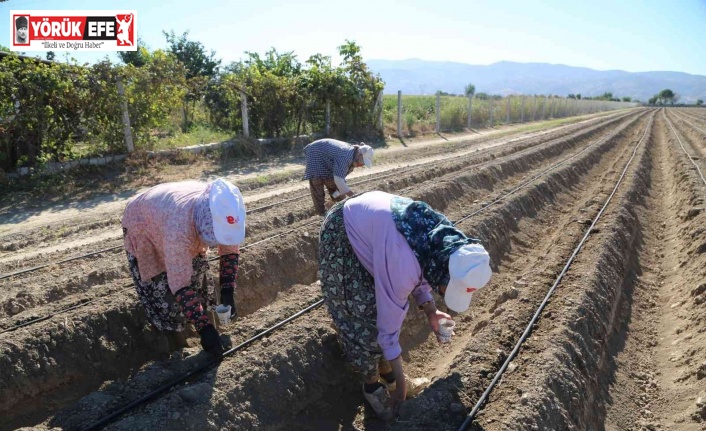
point(690, 116)
point(537, 313)
point(679, 116)
point(233, 350)
point(40, 319)
point(688, 156)
point(230, 352)
point(426, 166)
point(420, 166)
point(24, 271)
point(147, 397)
point(398, 171)
point(198, 370)
point(523, 184)
point(64, 310)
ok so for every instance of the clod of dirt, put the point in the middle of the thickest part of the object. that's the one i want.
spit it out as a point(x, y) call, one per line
point(693, 212)
point(701, 288)
point(700, 413)
point(701, 249)
point(9, 247)
point(195, 394)
point(701, 372)
point(506, 295)
point(15, 308)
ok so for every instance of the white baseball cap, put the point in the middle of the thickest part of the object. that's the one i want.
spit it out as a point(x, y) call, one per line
point(367, 152)
point(469, 268)
point(228, 212)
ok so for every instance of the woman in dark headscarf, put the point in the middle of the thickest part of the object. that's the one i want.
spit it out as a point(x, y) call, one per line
point(375, 250)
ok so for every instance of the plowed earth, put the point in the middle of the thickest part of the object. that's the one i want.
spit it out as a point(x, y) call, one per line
point(620, 346)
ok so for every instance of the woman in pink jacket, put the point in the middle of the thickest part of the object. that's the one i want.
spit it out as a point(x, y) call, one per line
point(168, 230)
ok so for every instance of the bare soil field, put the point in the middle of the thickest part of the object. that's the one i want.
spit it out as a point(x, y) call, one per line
point(621, 344)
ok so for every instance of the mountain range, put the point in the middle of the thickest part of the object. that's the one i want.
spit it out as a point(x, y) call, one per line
point(415, 76)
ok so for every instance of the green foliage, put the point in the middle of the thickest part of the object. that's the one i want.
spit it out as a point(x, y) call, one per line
point(667, 95)
point(42, 108)
point(470, 90)
point(201, 67)
point(152, 91)
point(59, 111)
point(136, 58)
point(193, 55)
point(285, 95)
point(419, 113)
point(627, 99)
point(699, 102)
point(47, 108)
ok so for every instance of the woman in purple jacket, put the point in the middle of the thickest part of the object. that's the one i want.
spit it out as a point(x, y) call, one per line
point(375, 250)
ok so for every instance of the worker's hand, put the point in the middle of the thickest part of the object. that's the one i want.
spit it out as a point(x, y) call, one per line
point(210, 341)
point(434, 318)
point(400, 394)
point(227, 298)
point(398, 397)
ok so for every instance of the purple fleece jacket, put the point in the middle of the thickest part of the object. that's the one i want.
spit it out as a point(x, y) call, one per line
point(385, 253)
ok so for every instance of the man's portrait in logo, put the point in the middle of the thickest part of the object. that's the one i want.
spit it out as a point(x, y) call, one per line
point(21, 30)
point(124, 22)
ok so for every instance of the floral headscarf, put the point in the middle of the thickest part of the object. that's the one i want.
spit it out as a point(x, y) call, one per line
point(432, 237)
point(203, 219)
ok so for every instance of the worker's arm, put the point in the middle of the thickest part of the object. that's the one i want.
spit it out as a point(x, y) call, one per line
point(342, 186)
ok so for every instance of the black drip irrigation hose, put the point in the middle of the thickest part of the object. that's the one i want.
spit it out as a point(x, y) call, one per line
point(63, 310)
point(264, 207)
point(397, 172)
point(201, 369)
point(693, 117)
point(523, 184)
point(679, 116)
point(40, 319)
point(210, 365)
point(688, 156)
point(544, 303)
point(24, 271)
point(82, 304)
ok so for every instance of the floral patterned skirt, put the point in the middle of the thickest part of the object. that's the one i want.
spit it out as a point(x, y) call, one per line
point(160, 304)
point(349, 293)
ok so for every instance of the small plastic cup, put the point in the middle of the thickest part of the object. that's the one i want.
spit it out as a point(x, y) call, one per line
point(446, 330)
point(223, 312)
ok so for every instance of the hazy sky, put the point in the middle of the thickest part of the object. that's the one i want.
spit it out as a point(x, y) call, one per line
point(632, 35)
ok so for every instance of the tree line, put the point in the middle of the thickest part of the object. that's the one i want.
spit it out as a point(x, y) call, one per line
point(47, 108)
